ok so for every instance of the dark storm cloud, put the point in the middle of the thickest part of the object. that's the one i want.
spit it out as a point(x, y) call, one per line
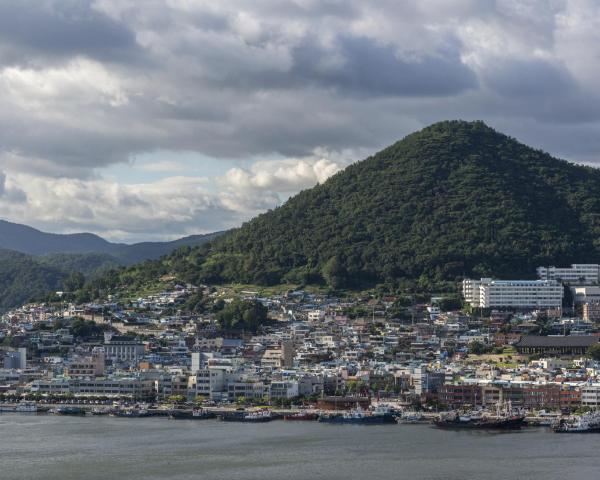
point(38, 29)
point(369, 68)
point(525, 78)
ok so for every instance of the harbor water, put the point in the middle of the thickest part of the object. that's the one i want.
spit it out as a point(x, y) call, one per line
point(63, 448)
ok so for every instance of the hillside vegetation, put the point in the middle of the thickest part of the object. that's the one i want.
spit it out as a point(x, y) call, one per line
point(454, 199)
point(26, 277)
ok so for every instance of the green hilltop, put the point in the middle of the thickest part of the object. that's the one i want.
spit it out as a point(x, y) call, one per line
point(452, 200)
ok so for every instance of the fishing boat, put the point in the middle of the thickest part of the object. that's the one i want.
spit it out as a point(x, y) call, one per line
point(409, 417)
point(358, 416)
point(195, 414)
point(259, 416)
point(503, 419)
point(68, 411)
point(586, 423)
point(99, 411)
point(301, 416)
point(26, 407)
point(134, 412)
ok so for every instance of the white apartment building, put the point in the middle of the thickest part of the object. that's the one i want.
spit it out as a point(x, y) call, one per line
point(576, 274)
point(517, 294)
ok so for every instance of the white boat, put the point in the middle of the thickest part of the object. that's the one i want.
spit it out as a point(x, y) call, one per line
point(586, 423)
point(26, 407)
point(409, 416)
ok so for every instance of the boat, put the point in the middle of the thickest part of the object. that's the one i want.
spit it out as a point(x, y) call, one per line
point(136, 412)
point(503, 419)
point(586, 423)
point(358, 416)
point(259, 416)
point(68, 411)
point(409, 417)
point(195, 414)
point(457, 422)
point(26, 407)
point(301, 416)
point(99, 411)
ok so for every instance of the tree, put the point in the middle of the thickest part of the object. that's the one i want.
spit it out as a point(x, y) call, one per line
point(177, 399)
point(74, 282)
point(594, 352)
point(477, 348)
point(242, 314)
point(335, 273)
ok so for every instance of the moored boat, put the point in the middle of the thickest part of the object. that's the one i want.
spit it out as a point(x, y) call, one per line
point(358, 416)
point(195, 414)
point(301, 416)
point(259, 416)
point(26, 407)
point(586, 423)
point(458, 422)
point(68, 411)
point(505, 418)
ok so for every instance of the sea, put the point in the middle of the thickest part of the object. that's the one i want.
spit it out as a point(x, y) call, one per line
point(62, 448)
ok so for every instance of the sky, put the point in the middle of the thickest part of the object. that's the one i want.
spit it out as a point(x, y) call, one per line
point(155, 119)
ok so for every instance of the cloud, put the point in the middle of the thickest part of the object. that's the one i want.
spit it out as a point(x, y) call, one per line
point(290, 91)
point(47, 30)
point(9, 193)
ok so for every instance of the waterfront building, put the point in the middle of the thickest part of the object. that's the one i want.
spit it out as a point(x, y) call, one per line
point(283, 389)
point(513, 294)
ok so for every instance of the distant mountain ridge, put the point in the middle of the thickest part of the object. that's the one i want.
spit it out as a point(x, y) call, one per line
point(35, 263)
point(25, 239)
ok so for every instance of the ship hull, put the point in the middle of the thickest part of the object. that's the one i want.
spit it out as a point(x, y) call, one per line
point(368, 420)
point(514, 423)
point(181, 415)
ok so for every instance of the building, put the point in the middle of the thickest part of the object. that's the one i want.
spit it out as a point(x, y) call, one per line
point(590, 395)
point(283, 389)
point(542, 396)
point(122, 348)
point(587, 294)
point(16, 360)
point(92, 366)
point(591, 311)
point(576, 274)
point(459, 395)
point(513, 294)
point(281, 356)
point(555, 344)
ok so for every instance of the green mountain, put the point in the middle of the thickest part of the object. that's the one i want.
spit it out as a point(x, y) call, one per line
point(454, 199)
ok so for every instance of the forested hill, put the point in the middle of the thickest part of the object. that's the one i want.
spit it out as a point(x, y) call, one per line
point(25, 277)
point(454, 199)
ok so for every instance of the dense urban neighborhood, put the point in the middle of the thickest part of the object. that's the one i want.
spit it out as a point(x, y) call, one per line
point(504, 341)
